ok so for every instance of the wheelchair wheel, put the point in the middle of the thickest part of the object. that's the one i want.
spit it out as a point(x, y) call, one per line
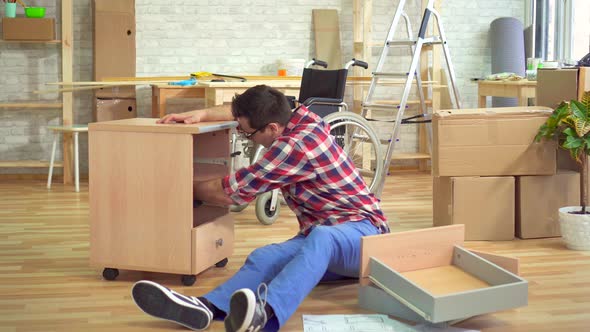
point(263, 212)
point(358, 139)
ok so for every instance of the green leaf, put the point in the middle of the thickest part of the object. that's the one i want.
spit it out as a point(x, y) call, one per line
point(569, 132)
point(573, 142)
point(574, 153)
point(578, 110)
point(582, 127)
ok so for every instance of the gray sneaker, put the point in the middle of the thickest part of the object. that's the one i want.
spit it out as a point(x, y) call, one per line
point(159, 301)
point(246, 313)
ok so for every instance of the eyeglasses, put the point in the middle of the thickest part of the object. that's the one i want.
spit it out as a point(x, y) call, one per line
point(246, 135)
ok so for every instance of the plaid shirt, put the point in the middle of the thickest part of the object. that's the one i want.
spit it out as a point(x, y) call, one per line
point(318, 181)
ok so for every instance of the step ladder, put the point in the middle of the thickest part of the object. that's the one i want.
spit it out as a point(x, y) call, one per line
point(380, 78)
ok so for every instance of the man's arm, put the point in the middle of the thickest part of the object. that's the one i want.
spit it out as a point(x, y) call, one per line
point(218, 113)
point(211, 191)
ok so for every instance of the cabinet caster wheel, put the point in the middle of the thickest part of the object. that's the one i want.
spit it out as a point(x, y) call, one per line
point(221, 263)
point(188, 280)
point(110, 274)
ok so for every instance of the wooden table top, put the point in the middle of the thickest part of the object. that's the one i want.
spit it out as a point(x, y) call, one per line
point(150, 125)
point(519, 82)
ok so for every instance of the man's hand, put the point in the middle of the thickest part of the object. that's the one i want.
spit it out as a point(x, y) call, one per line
point(218, 113)
point(181, 118)
point(211, 191)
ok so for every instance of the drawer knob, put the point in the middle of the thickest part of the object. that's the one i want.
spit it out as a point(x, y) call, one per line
point(219, 242)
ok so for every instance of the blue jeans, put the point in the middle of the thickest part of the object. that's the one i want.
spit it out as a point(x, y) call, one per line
point(291, 269)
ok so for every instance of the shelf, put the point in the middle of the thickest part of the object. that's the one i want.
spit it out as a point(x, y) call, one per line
point(53, 42)
point(409, 102)
point(410, 156)
point(28, 164)
point(41, 105)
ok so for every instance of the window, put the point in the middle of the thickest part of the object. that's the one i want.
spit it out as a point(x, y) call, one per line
point(580, 27)
point(561, 28)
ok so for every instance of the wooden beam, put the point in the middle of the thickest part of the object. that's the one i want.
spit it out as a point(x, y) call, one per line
point(67, 56)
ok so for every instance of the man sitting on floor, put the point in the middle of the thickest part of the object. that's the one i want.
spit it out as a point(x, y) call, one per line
point(333, 205)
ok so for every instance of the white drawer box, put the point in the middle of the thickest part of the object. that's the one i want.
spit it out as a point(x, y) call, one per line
point(426, 276)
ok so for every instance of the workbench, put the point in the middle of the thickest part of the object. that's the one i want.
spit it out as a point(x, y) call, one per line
point(142, 214)
point(522, 90)
point(215, 93)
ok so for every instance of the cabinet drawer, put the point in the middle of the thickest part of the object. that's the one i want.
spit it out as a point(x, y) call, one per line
point(212, 242)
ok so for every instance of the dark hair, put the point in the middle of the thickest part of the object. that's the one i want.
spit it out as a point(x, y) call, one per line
point(261, 105)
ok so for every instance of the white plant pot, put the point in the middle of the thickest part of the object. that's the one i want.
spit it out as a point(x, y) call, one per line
point(575, 228)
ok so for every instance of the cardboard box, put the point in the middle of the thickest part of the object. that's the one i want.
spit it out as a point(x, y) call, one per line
point(555, 86)
point(491, 142)
point(114, 45)
point(565, 162)
point(425, 276)
point(23, 28)
point(538, 199)
point(485, 205)
point(114, 109)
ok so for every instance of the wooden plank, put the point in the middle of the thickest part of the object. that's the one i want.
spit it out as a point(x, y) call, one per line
point(327, 37)
point(412, 250)
point(178, 78)
point(103, 84)
point(47, 105)
point(67, 55)
point(27, 164)
point(362, 12)
point(423, 142)
point(149, 125)
point(410, 156)
point(30, 42)
point(397, 102)
point(63, 90)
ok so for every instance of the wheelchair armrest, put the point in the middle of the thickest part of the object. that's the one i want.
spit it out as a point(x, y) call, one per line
point(317, 100)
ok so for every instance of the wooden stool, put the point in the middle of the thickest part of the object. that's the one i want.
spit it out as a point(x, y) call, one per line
point(74, 130)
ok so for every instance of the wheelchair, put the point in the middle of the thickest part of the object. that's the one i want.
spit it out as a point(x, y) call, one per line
point(322, 92)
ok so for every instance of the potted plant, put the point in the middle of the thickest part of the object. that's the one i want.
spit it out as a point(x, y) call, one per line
point(569, 124)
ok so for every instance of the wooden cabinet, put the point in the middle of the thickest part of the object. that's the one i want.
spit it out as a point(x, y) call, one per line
point(141, 196)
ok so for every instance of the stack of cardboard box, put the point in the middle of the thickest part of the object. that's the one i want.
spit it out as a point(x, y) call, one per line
point(489, 174)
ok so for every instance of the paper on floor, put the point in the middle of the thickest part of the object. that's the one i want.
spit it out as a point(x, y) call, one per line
point(366, 323)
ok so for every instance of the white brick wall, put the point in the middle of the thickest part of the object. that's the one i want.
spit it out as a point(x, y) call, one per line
point(227, 36)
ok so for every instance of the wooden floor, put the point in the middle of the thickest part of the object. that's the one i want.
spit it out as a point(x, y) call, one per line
point(47, 285)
